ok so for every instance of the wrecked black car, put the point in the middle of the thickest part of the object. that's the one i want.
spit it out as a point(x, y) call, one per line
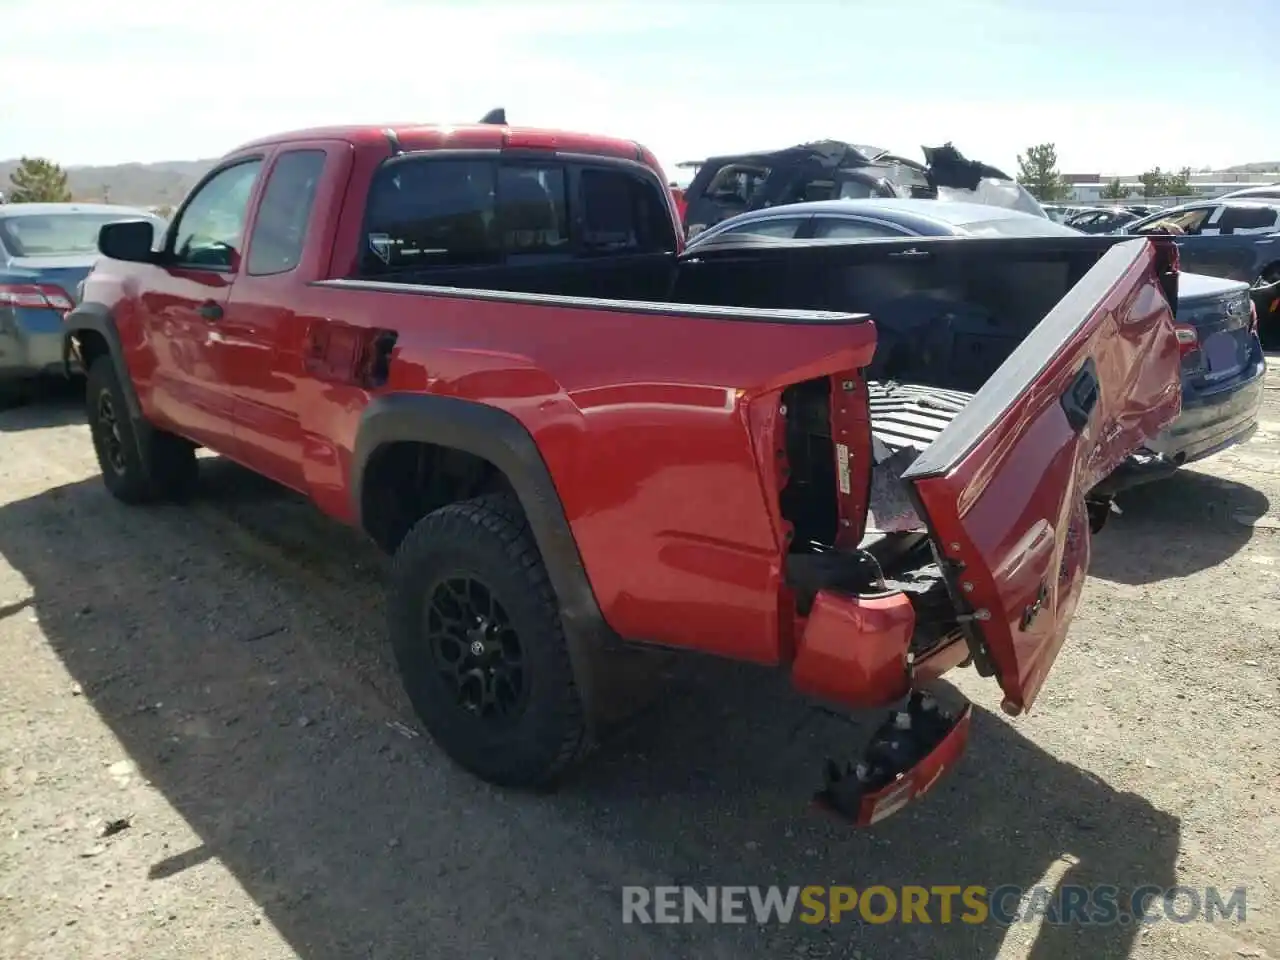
point(829, 169)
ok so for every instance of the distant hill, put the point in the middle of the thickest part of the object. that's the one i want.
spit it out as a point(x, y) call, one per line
point(156, 184)
point(1265, 166)
point(134, 184)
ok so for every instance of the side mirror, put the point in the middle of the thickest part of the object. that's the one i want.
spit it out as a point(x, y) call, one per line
point(128, 240)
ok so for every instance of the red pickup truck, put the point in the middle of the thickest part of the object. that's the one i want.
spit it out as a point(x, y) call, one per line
point(484, 346)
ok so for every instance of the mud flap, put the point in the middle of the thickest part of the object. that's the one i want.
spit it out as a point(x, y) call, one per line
point(908, 754)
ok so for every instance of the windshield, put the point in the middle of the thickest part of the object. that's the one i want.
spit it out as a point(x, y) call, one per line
point(57, 234)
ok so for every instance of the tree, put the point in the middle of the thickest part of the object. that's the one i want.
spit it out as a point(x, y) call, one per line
point(1115, 190)
point(1038, 172)
point(1179, 184)
point(37, 180)
point(1154, 183)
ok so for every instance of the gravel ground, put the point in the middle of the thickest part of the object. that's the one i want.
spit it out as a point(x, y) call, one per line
point(204, 752)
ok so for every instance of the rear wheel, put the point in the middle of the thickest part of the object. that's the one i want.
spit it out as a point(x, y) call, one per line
point(161, 466)
point(478, 640)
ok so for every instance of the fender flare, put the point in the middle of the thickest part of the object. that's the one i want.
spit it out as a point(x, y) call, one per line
point(500, 438)
point(96, 317)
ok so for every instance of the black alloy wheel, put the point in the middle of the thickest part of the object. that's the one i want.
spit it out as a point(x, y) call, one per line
point(106, 427)
point(476, 650)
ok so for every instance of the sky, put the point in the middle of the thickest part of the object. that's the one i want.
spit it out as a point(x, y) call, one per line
point(1118, 85)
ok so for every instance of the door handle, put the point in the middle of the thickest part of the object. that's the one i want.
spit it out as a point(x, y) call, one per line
point(211, 311)
point(1079, 399)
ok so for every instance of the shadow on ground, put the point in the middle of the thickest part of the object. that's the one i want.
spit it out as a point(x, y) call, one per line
point(273, 742)
point(1174, 528)
point(52, 402)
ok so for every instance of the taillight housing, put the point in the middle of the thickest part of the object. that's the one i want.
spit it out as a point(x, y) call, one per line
point(1188, 338)
point(35, 296)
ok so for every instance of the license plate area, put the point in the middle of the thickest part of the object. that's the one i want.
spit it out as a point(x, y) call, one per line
point(1221, 352)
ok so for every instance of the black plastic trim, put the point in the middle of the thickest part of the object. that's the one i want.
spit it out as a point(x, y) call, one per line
point(96, 317)
point(501, 439)
point(1081, 397)
point(695, 311)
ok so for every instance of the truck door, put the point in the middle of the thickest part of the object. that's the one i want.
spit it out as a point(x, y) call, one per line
point(185, 302)
point(264, 333)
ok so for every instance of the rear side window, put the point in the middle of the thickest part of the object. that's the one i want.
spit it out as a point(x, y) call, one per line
point(783, 228)
point(736, 183)
point(426, 212)
point(818, 190)
point(855, 190)
point(1244, 219)
point(281, 228)
point(1178, 222)
point(622, 213)
point(841, 228)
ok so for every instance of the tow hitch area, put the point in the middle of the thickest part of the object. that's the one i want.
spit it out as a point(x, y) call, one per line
point(906, 757)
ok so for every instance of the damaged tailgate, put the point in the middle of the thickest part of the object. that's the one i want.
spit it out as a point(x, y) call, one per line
point(1003, 487)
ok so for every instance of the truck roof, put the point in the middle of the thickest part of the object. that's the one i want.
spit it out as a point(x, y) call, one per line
point(468, 136)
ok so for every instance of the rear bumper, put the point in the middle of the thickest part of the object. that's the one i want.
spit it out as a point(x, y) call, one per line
point(1212, 421)
point(30, 344)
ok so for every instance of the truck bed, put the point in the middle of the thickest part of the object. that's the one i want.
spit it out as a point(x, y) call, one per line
point(905, 418)
point(911, 415)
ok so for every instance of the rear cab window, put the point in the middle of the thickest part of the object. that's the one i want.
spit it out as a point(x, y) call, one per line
point(621, 212)
point(531, 212)
point(427, 211)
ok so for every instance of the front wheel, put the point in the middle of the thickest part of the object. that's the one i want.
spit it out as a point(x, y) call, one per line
point(160, 466)
point(477, 637)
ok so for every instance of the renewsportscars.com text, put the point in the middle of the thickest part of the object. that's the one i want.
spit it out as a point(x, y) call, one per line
point(1005, 905)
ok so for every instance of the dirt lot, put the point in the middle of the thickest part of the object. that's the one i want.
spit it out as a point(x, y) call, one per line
point(214, 677)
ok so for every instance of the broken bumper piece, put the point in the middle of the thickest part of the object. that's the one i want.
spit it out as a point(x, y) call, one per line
point(1140, 467)
point(907, 755)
